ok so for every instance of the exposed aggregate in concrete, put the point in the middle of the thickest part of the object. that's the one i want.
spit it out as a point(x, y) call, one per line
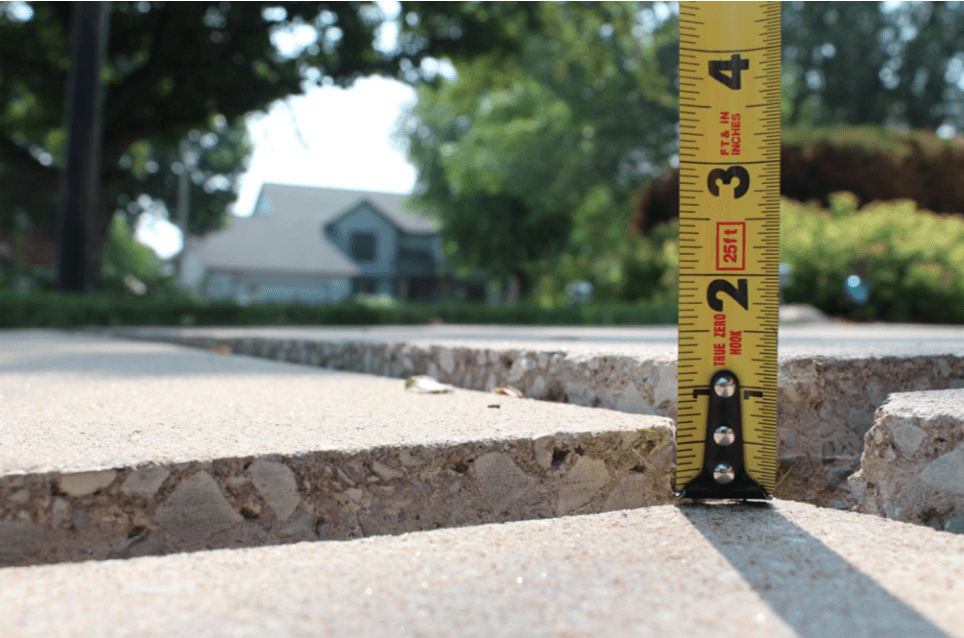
point(825, 407)
point(912, 467)
point(276, 499)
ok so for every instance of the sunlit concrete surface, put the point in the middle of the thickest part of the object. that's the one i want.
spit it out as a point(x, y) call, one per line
point(728, 570)
point(187, 492)
point(831, 339)
point(115, 449)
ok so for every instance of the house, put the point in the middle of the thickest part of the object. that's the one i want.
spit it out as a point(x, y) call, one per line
point(319, 245)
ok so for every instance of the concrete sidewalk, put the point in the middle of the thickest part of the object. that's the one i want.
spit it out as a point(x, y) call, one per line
point(832, 377)
point(824, 339)
point(728, 571)
point(117, 449)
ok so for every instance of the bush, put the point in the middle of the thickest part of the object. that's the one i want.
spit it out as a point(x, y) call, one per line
point(651, 270)
point(914, 259)
point(875, 163)
point(633, 270)
point(65, 310)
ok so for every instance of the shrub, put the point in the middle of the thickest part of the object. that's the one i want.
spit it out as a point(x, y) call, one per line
point(914, 259)
point(66, 310)
point(651, 271)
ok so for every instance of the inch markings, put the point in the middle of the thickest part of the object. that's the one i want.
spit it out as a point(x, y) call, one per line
point(729, 273)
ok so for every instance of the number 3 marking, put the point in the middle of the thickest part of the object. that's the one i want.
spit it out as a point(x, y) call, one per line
point(726, 177)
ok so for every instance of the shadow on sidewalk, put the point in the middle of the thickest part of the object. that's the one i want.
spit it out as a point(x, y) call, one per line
point(813, 589)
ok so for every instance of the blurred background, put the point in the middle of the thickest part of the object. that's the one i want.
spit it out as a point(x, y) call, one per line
point(507, 162)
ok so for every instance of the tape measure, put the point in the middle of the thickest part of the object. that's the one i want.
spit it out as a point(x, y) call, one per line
point(729, 249)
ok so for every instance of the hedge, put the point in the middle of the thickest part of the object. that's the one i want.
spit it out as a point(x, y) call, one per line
point(914, 259)
point(64, 310)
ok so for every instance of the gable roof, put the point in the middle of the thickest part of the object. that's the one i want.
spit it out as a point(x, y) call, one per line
point(287, 237)
point(263, 244)
point(326, 204)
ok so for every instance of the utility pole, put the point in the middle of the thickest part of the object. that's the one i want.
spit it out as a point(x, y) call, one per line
point(81, 175)
point(183, 210)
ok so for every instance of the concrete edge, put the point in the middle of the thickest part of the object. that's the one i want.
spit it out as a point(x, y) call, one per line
point(124, 512)
point(825, 404)
point(912, 467)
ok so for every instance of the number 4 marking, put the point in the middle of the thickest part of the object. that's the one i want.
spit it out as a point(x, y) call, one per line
point(734, 65)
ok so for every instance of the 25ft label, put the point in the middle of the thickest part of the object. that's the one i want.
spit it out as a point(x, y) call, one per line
point(730, 245)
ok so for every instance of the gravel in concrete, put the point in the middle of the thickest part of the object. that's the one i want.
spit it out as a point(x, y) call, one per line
point(832, 377)
point(831, 339)
point(727, 570)
point(118, 449)
point(912, 468)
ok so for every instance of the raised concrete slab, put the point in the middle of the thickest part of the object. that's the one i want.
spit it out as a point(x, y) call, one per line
point(113, 448)
point(832, 377)
point(912, 468)
point(730, 571)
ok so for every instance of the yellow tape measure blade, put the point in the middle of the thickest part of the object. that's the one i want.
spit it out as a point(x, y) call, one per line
point(729, 246)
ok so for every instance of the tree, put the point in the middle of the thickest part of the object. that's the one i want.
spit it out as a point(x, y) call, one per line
point(531, 162)
point(189, 70)
point(214, 160)
point(855, 75)
point(873, 63)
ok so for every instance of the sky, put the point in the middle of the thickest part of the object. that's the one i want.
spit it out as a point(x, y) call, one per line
point(333, 137)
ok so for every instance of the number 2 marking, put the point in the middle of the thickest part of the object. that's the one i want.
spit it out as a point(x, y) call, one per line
point(741, 295)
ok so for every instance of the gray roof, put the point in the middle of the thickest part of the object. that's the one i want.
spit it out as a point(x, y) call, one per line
point(289, 239)
point(263, 244)
point(326, 204)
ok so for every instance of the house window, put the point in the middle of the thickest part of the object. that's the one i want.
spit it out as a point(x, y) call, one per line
point(361, 247)
point(264, 206)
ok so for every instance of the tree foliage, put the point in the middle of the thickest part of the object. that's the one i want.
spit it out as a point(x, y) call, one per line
point(178, 71)
point(533, 164)
point(531, 160)
point(214, 160)
point(873, 63)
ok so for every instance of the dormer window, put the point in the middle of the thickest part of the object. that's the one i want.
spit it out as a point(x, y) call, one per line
point(264, 206)
point(361, 246)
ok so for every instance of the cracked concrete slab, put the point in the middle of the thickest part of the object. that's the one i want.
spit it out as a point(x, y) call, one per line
point(826, 405)
point(119, 449)
point(786, 570)
point(831, 377)
point(912, 468)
